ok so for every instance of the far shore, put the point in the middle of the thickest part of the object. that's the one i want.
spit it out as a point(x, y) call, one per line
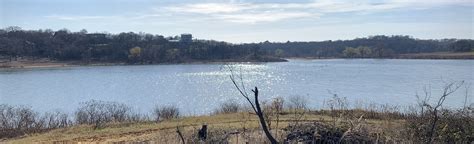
point(48, 64)
point(44, 63)
point(31, 64)
point(428, 56)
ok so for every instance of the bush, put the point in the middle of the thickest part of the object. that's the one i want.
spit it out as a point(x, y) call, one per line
point(454, 126)
point(57, 119)
point(165, 112)
point(17, 121)
point(101, 112)
point(228, 107)
point(434, 124)
point(297, 102)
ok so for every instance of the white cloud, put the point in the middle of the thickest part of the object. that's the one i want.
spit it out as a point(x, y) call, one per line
point(252, 13)
point(253, 18)
point(209, 8)
point(435, 2)
point(272, 12)
point(77, 18)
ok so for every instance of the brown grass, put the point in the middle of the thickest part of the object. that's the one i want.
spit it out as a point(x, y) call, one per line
point(165, 132)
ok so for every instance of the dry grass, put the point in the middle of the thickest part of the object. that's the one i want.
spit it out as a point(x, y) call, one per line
point(165, 132)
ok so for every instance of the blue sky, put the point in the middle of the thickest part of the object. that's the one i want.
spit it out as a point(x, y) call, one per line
point(249, 21)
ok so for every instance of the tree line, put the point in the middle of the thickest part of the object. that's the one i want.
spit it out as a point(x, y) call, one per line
point(379, 46)
point(130, 47)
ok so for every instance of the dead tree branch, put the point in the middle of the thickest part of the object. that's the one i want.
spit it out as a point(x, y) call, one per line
point(447, 90)
point(255, 106)
point(180, 135)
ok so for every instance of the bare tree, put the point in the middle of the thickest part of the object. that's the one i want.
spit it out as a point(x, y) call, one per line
point(431, 111)
point(447, 90)
point(255, 105)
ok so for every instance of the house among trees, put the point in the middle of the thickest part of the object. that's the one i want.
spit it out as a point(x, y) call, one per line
point(184, 39)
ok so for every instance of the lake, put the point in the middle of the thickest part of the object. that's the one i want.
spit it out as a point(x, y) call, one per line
point(200, 88)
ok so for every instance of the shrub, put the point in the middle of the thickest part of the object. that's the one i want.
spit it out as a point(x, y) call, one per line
point(453, 126)
point(165, 112)
point(434, 124)
point(228, 107)
point(16, 121)
point(101, 112)
point(57, 119)
point(297, 102)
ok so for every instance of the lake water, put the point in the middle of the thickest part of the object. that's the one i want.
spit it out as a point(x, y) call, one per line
point(199, 88)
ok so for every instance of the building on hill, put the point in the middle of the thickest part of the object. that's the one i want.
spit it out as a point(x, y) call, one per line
point(186, 38)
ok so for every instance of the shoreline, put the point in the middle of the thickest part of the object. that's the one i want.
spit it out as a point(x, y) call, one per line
point(31, 64)
point(59, 64)
point(394, 58)
point(415, 56)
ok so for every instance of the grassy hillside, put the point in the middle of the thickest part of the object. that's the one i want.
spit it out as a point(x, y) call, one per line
point(243, 125)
